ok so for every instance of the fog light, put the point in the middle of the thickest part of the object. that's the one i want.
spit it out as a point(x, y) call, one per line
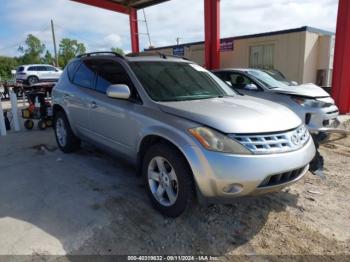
point(233, 189)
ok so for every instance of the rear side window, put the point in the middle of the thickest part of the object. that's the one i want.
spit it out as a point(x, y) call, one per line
point(33, 68)
point(41, 68)
point(85, 75)
point(72, 67)
point(20, 69)
point(111, 73)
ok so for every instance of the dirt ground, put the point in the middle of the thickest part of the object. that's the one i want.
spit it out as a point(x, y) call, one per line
point(90, 203)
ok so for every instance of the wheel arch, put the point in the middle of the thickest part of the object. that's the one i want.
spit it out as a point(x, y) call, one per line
point(151, 139)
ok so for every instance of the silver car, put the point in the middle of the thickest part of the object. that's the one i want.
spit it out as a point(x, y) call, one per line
point(32, 74)
point(311, 103)
point(188, 133)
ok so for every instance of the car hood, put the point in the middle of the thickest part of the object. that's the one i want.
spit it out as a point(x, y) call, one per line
point(241, 114)
point(309, 90)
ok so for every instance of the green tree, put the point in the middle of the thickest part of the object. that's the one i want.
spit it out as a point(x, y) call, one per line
point(6, 65)
point(48, 59)
point(117, 50)
point(32, 50)
point(69, 49)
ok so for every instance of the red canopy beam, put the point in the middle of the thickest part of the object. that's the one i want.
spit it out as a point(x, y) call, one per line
point(105, 4)
point(212, 33)
point(112, 6)
point(341, 68)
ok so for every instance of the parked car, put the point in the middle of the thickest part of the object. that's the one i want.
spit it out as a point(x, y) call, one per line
point(188, 133)
point(279, 77)
point(310, 102)
point(32, 74)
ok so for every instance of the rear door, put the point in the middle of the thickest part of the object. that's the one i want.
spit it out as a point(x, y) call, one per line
point(42, 73)
point(77, 97)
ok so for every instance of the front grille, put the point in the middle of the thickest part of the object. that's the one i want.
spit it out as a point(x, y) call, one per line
point(333, 112)
point(282, 178)
point(274, 143)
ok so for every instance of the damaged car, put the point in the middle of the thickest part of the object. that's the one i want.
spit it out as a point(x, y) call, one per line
point(311, 103)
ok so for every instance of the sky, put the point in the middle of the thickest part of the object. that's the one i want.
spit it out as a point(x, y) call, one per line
point(100, 29)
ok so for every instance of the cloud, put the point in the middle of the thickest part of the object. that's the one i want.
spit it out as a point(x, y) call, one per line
point(100, 29)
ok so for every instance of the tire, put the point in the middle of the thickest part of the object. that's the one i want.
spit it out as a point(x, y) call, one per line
point(32, 80)
point(29, 124)
point(65, 138)
point(49, 123)
point(179, 183)
point(42, 125)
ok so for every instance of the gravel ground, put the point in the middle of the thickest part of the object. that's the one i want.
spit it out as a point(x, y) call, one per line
point(90, 203)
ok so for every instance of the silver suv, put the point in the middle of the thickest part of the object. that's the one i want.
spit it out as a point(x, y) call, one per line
point(33, 74)
point(189, 134)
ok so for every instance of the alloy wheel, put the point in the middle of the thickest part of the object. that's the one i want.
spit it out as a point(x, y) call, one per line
point(163, 181)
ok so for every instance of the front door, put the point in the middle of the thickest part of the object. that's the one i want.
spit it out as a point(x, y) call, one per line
point(112, 120)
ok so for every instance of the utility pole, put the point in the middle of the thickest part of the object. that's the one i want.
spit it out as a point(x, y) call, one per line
point(148, 34)
point(54, 42)
point(178, 40)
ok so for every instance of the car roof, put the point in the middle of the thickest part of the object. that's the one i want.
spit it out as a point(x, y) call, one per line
point(155, 59)
point(36, 65)
point(236, 69)
point(142, 57)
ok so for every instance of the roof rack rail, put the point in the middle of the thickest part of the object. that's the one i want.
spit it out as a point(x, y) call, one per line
point(155, 53)
point(100, 53)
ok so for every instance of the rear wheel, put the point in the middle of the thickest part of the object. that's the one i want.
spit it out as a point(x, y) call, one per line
point(168, 180)
point(66, 140)
point(32, 80)
point(29, 124)
point(42, 125)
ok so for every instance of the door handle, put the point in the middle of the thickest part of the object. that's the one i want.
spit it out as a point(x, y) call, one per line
point(65, 96)
point(93, 105)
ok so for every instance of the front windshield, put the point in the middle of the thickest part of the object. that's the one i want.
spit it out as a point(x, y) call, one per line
point(174, 81)
point(266, 79)
point(275, 75)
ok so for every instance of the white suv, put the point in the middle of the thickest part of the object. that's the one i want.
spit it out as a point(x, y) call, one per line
point(33, 74)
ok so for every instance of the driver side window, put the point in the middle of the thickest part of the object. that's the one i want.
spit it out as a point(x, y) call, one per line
point(239, 81)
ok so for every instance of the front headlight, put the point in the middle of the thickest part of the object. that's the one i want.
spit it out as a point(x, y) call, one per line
point(306, 102)
point(215, 141)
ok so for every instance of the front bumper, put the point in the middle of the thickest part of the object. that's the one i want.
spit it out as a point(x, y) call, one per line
point(215, 172)
point(319, 118)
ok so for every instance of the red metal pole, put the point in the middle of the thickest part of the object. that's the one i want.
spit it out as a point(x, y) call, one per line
point(134, 31)
point(212, 33)
point(341, 68)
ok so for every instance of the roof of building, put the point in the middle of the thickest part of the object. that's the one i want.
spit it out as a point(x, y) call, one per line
point(280, 32)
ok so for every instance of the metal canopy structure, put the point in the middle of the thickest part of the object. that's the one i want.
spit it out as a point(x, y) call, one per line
point(341, 69)
point(138, 4)
point(128, 7)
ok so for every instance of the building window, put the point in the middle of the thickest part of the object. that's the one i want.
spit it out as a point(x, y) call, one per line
point(261, 56)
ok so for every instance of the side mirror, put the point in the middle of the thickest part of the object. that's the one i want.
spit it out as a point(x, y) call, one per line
point(293, 83)
point(252, 87)
point(119, 91)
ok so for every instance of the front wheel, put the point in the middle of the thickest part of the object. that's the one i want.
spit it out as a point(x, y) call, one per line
point(66, 140)
point(168, 180)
